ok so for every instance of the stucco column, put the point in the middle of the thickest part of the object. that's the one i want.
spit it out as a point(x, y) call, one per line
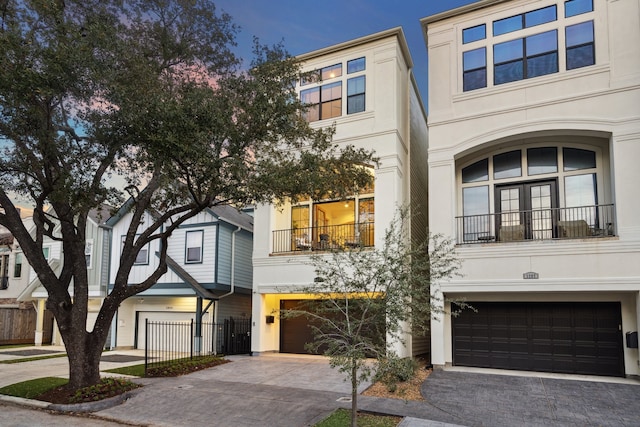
point(437, 327)
point(39, 321)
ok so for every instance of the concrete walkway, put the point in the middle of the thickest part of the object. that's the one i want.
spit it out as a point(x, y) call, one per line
point(288, 390)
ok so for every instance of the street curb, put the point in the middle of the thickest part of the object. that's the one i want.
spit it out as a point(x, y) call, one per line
point(75, 407)
point(92, 406)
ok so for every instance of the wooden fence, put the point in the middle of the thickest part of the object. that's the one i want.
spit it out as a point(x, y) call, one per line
point(17, 326)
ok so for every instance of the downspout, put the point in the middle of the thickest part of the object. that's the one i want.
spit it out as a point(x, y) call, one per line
point(233, 273)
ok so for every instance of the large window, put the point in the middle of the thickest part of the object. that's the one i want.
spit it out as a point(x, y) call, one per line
point(143, 255)
point(525, 58)
point(88, 253)
point(540, 192)
point(516, 54)
point(17, 265)
point(325, 99)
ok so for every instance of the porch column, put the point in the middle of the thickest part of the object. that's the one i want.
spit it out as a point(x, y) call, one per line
point(437, 328)
point(39, 321)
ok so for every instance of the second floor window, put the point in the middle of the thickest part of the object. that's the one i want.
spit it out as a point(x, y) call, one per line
point(193, 249)
point(17, 265)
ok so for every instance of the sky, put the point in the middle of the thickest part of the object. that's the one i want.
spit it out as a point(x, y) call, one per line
point(305, 25)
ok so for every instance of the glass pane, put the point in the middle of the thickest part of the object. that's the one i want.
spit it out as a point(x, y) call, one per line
point(542, 43)
point(509, 72)
point(355, 85)
point(474, 33)
point(331, 72)
point(479, 171)
point(543, 64)
point(540, 16)
point(577, 7)
point(356, 65)
point(142, 257)
point(579, 34)
point(331, 109)
point(310, 96)
point(507, 25)
point(355, 104)
point(507, 165)
point(193, 254)
point(299, 217)
point(474, 79)
point(576, 159)
point(473, 59)
point(331, 91)
point(542, 160)
point(580, 194)
point(582, 56)
point(507, 51)
point(475, 207)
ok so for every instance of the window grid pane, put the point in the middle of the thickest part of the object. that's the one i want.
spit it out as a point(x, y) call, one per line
point(577, 7)
point(356, 65)
point(479, 32)
point(507, 165)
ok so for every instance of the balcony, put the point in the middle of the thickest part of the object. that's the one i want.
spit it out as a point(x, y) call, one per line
point(585, 222)
point(324, 238)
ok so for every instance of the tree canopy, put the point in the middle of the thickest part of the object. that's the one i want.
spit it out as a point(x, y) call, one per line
point(107, 100)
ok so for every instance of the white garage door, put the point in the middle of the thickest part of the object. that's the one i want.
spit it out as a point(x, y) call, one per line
point(168, 330)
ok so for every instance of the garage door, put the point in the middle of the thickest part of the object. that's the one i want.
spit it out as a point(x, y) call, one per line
point(576, 338)
point(168, 336)
point(295, 332)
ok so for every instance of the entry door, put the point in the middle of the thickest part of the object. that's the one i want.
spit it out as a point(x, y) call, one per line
point(526, 210)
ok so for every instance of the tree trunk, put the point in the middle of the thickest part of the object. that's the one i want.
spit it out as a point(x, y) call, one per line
point(84, 359)
point(354, 394)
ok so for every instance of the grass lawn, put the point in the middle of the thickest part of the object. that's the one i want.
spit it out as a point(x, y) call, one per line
point(33, 388)
point(342, 418)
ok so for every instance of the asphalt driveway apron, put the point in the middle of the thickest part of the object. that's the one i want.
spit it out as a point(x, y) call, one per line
point(480, 399)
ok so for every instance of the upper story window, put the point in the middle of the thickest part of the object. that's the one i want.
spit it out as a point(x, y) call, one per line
point(580, 45)
point(479, 32)
point(525, 20)
point(193, 246)
point(143, 255)
point(356, 65)
point(17, 265)
point(529, 55)
point(325, 101)
point(577, 7)
point(519, 59)
point(88, 251)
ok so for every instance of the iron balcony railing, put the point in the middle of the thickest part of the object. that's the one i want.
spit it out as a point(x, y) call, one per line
point(323, 238)
point(539, 224)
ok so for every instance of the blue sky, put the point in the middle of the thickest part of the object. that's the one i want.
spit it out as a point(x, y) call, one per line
point(306, 25)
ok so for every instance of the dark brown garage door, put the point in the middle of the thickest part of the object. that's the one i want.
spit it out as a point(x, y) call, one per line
point(295, 332)
point(576, 338)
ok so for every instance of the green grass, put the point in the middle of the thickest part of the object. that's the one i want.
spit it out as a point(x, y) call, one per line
point(32, 388)
point(134, 370)
point(342, 418)
point(31, 359)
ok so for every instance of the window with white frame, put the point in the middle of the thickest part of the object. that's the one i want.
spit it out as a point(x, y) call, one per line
point(143, 255)
point(535, 189)
point(17, 265)
point(517, 54)
point(193, 246)
point(88, 253)
point(325, 100)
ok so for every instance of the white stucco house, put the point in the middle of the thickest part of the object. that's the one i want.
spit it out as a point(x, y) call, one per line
point(534, 140)
point(367, 89)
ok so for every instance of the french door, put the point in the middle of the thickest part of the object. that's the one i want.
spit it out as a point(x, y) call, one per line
point(526, 210)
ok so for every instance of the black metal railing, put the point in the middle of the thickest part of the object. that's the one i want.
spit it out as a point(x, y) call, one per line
point(540, 224)
point(324, 238)
point(166, 342)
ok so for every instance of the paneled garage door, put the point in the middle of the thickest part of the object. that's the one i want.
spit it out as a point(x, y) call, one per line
point(576, 338)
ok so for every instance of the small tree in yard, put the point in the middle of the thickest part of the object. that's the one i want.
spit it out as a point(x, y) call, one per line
point(364, 300)
point(147, 91)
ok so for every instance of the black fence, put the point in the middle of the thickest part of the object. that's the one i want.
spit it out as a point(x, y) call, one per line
point(166, 342)
point(324, 238)
point(540, 224)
